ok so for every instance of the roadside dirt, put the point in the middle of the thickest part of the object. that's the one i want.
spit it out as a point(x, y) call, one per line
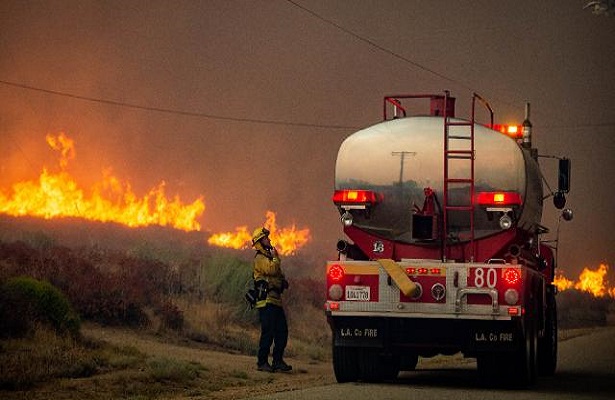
point(254, 383)
point(247, 382)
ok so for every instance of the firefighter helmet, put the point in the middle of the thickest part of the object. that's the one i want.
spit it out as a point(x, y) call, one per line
point(258, 234)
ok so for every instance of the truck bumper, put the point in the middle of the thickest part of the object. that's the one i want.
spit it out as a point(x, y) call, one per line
point(428, 336)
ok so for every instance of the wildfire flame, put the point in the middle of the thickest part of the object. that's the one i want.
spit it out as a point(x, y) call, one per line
point(594, 282)
point(57, 194)
point(285, 240)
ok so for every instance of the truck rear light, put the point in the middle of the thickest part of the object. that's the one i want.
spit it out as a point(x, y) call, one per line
point(512, 276)
point(423, 271)
point(511, 296)
point(498, 198)
point(333, 305)
point(514, 311)
point(336, 292)
point(355, 197)
point(336, 273)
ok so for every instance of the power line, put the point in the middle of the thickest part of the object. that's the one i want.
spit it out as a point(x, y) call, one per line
point(174, 111)
point(379, 47)
point(414, 63)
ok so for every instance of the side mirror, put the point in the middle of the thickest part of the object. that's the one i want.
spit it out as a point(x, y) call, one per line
point(563, 181)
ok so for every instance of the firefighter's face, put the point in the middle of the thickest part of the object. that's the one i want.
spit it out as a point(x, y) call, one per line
point(266, 242)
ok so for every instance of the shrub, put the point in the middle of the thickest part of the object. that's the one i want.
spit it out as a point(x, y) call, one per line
point(164, 369)
point(171, 316)
point(26, 302)
point(226, 280)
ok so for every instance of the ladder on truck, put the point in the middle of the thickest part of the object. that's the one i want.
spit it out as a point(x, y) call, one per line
point(459, 147)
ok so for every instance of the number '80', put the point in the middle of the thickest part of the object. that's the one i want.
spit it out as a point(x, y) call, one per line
point(488, 277)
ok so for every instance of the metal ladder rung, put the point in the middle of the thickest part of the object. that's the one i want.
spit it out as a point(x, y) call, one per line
point(460, 137)
point(459, 123)
point(459, 180)
point(459, 152)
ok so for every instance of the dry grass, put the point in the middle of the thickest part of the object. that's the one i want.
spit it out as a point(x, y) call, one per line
point(47, 366)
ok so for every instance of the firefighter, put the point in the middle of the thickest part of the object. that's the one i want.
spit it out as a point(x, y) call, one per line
point(269, 282)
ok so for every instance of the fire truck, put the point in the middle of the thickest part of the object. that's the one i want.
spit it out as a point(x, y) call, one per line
point(444, 252)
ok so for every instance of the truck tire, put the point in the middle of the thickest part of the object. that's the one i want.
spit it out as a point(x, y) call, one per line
point(547, 345)
point(523, 364)
point(371, 365)
point(515, 369)
point(346, 363)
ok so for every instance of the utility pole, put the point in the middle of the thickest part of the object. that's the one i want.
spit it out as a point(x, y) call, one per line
point(402, 155)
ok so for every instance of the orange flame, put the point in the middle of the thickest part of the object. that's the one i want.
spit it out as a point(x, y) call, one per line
point(594, 282)
point(286, 240)
point(56, 195)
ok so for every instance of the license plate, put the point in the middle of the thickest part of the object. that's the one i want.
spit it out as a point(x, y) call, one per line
point(357, 293)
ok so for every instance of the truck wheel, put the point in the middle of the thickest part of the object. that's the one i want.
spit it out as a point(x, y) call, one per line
point(524, 361)
point(346, 363)
point(371, 365)
point(547, 346)
point(513, 369)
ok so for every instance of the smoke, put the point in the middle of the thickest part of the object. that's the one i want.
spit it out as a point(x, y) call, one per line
point(271, 61)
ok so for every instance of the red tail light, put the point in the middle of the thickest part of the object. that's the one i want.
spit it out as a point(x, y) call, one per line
point(498, 198)
point(336, 273)
point(355, 197)
point(512, 276)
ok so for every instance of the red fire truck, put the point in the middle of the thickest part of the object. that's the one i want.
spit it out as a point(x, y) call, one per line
point(445, 251)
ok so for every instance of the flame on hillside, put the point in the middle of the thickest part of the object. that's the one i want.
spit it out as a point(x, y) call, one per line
point(592, 281)
point(57, 194)
point(285, 240)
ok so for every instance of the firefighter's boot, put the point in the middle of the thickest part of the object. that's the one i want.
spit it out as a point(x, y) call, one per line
point(281, 366)
point(265, 367)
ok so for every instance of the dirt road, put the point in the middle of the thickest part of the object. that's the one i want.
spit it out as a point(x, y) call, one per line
point(586, 370)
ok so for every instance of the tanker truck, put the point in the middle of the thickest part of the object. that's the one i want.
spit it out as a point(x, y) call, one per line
point(444, 252)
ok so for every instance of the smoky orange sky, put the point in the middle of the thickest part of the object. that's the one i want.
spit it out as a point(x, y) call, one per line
point(271, 60)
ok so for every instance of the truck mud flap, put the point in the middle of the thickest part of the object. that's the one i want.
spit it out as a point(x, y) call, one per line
point(361, 332)
point(494, 338)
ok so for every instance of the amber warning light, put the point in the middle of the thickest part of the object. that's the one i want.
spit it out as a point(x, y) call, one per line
point(514, 131)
